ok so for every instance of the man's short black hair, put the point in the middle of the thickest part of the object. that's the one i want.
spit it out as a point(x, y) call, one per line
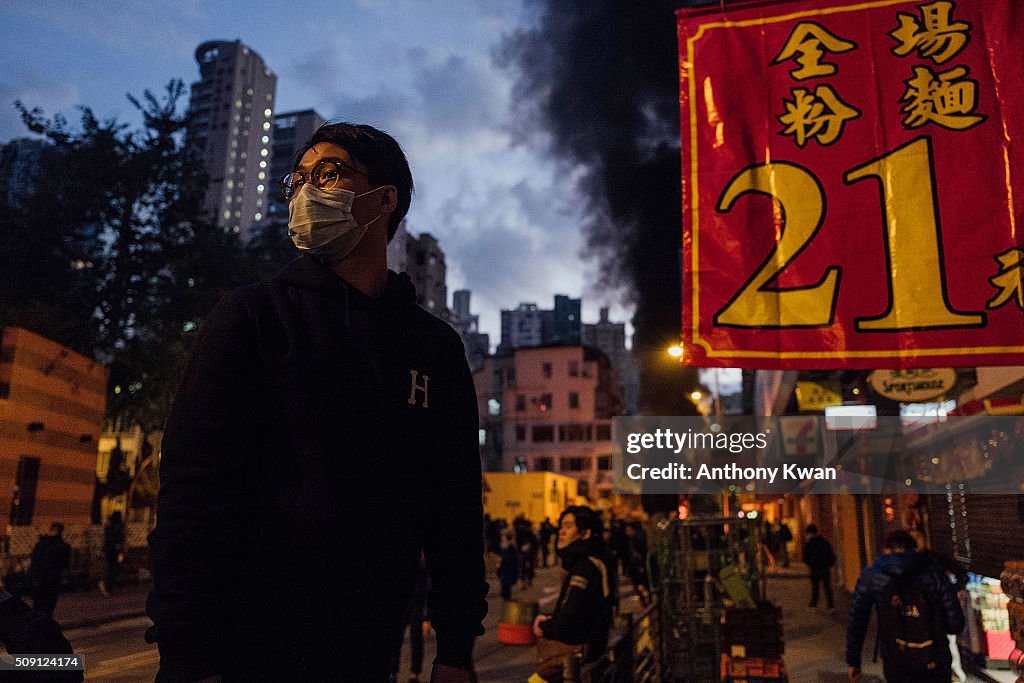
point(586, 518)
point(900, 540)
point(379, 152)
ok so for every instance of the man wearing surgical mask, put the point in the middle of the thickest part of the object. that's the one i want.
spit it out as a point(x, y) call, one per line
point(322, 395)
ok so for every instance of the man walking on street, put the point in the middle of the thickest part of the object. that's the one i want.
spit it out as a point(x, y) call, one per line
point(113, 549)
point(325, 391)
point(917, 606)
point(547, 531)
point(50, 558)
point(820, 558)
point(583, 612)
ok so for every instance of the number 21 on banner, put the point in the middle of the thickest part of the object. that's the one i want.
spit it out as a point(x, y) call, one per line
point(917, 297)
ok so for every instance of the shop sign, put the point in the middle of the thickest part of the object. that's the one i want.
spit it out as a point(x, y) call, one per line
point(915, 385)
point(817, 396)
point(851, 186)
point(799, 436)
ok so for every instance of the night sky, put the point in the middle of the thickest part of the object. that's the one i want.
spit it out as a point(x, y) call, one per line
point(507, 216)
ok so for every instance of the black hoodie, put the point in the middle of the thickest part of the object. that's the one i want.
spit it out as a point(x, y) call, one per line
point(318, 441)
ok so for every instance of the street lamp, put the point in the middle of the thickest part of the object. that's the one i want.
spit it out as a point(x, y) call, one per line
point(676, 351)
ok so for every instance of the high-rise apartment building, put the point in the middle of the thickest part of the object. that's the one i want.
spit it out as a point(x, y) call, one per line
point(528, 325)
point(521, 327)
point(232, 109)
point(291, 130)
point(610, 338)
point(565, 321)
point(425, 264)
point(468, 326)
point(21, 162)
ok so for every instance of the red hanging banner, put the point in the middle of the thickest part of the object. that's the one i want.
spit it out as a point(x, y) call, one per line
point(853, 183)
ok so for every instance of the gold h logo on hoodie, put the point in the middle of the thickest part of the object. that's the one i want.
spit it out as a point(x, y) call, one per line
point(415, 388)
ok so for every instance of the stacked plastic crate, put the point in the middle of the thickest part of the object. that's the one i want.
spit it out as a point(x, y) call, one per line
point(752, 640)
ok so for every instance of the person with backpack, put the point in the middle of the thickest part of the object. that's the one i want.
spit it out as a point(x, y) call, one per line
point(917, 606)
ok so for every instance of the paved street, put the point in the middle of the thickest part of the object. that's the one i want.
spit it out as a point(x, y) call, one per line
point(109, 633)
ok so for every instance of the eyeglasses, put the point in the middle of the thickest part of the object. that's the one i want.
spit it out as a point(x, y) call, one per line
point(325, 176)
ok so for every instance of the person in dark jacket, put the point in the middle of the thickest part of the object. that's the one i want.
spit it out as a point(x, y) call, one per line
point(113, 547)
point(50, 557)
point(508, 570)
point(583, 611)
point(547, 531)
point(417, 620)
point(325, 391)
point(900, 563)
point(820, 558)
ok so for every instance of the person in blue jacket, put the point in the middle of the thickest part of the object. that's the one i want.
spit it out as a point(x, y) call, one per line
point(888, 586)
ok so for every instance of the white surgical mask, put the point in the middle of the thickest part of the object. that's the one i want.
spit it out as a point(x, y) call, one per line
point(320, 222)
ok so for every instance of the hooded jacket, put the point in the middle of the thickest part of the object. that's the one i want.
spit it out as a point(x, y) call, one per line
point(318, 441)
point(871, 587)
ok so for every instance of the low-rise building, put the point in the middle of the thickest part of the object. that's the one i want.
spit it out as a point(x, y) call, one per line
point(557, 407)
point(52, 404)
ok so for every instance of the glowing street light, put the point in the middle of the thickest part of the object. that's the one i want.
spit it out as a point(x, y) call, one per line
point(696, 396)
point(676, 351)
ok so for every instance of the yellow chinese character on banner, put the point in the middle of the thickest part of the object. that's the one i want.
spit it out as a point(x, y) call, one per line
point(807, 44)
point(1010, 279)
point(934, 37)
point(821, 115)
point(941, 98)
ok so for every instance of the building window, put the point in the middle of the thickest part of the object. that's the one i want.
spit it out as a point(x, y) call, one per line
point(493, 407)
point(5, 389)
point(543, 402)
point(574, 399)
point(574, 369)
point(23, 505)
point(574, 432)
point(520, 432)
point(604, 462)
point(520, 402)
point(543, 434)
point(483, 436)
point(546, 370)
point(543, 464)
point(604, 432)
point(511, 376)
point(575, 465)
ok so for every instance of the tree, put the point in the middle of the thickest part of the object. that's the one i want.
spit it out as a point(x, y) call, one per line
point(120, 216)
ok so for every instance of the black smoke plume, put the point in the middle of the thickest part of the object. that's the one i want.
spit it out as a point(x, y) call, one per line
point(597, 83)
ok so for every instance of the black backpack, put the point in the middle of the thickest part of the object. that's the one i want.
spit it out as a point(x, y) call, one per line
point(906, 629)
